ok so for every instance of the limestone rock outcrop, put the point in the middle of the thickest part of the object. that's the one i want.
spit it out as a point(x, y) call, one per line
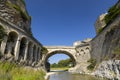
point(100, 23)
point(14, 11)
point(109, 69)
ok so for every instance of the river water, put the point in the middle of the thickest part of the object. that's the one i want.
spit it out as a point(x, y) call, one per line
point(69, 76)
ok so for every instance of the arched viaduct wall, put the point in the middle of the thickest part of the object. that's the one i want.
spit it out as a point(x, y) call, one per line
point(18, 45)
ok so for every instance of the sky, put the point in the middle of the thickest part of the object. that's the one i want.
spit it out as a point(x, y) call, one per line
point(62, 22)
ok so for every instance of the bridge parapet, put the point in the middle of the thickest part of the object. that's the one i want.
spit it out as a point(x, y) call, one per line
point(60, 47)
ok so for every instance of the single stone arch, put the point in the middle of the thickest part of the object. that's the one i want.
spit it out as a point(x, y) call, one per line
point(58, 52)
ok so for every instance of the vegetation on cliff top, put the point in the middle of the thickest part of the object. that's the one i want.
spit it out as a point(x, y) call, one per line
point(11, 71)
point(113, 12)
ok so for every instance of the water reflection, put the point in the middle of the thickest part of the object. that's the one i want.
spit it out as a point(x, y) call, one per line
point(68, 76)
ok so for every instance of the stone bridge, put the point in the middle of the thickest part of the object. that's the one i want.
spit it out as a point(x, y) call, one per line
point(78, 54)
point(68, 50)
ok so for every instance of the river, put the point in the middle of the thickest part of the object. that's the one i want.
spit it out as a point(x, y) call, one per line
point(69, 76)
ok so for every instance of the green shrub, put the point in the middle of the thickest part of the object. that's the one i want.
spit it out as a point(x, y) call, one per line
point(116, 51)
point(44, 50)
point(92, 64)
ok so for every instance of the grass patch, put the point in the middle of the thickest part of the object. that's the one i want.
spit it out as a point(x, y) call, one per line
point(11, 71)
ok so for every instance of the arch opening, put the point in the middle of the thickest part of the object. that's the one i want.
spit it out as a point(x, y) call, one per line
point(22, 49)
point(2, 33)
point(30, 51)
point(10, 45)
point(34, 53)
point(38, 54)
point(70, 57)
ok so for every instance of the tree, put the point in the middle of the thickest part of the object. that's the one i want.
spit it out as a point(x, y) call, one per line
point(65, 63)
point(62, 63)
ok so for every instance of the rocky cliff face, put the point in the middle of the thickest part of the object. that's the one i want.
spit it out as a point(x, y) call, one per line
point(107, 43)
point(15, 12)
point(105, 49)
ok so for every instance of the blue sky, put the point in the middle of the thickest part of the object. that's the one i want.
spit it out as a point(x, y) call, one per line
point(62, 22)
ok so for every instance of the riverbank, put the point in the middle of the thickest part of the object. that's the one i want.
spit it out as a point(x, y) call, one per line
point(46, 77)
point(11, 71)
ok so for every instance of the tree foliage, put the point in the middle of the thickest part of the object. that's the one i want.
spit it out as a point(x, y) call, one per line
point(62, 63)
